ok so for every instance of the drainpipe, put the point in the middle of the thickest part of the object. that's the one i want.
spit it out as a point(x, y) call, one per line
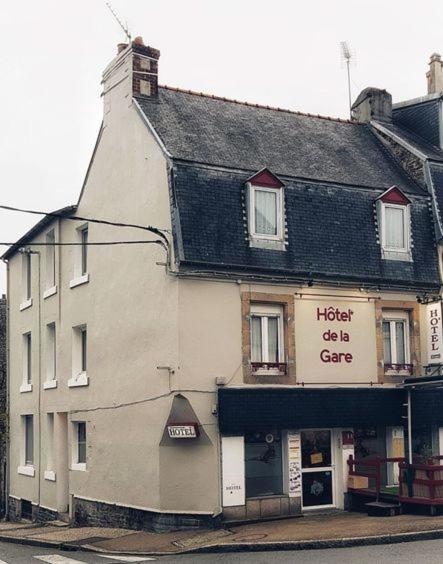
point(8, 455)
point(409, 426)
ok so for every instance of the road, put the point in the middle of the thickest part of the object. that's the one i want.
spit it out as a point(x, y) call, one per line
point(428, 552)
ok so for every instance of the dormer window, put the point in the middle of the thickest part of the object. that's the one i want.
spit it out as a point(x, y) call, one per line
point(393, 209)
point(265, 211)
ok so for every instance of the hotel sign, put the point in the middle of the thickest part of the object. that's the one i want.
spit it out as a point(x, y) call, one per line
point(183, 430)
point(434, 332)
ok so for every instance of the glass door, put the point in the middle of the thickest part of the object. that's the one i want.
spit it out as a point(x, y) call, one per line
point(317, 468)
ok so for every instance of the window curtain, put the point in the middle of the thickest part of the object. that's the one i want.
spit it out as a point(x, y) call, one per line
point(265, 212)
point(400, 341)
point(256, 339)
point(272, 339)
point(387, 342)
point(395, 228)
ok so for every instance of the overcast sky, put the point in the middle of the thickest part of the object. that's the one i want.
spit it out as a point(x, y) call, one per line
point(283, 53)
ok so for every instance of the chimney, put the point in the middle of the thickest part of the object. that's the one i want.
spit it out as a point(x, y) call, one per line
point(435, 74)
point(372, 104)
point(133, 72)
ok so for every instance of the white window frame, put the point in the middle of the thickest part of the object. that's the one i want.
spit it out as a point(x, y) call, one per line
point(26, 385)
point(50, 259)
point(80, 275)
point(79, 375)
point(26, 467)
point(407, 227)
point(26, 280)
point(51, 357)
point(265, 311)
point(50, 472)
point(279, 201)
point(75, 464)
point(392, 317)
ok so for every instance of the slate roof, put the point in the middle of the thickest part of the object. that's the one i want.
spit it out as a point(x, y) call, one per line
point(420, 116)
point(428, 150)
point(331, 231)
point(216, 131)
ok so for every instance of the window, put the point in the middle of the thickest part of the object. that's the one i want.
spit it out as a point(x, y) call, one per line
point(26, 280)
point(266, 209)
point(51, 347)
point(49, 472)
point(29, 440)
point(79, 446)
point(396, 228)
point(267, 351)
point(84, 250)
point(79, 357)
point(27, 363)
point(396, 341)
point(263, 464)
point(50, 260)
point(81, 275)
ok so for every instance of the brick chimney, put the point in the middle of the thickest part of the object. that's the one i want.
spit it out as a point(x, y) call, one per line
point(373, 104)
point(435, 74)
point(133, 72)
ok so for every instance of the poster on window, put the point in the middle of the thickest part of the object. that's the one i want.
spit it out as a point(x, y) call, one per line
point(434, 331)
point(294, 461)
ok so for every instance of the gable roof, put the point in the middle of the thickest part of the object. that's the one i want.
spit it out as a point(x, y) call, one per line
point(38, 228)
point(204, 129)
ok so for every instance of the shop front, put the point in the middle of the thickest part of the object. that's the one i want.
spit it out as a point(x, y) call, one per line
point(285, 452)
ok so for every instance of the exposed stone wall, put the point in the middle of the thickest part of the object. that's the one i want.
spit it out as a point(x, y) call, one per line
point(407, 160)
point(97, 514)
point(15, 509)
point(3, 416)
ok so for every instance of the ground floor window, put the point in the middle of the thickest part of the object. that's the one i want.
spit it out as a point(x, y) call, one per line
point(263, 464)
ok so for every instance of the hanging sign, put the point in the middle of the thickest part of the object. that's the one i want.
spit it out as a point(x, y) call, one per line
point(435, 334)
point(183, 430)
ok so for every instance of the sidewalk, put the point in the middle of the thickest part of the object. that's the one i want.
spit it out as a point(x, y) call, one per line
point(315, 531)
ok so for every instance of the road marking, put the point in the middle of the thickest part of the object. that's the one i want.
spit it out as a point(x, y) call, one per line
point(3, 562)
point(126, 558)
point(58, 559)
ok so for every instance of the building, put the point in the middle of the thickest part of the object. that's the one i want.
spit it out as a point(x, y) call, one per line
point(3, 416)
point(228, 368)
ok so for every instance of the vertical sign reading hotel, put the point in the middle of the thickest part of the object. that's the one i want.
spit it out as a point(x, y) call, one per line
point(434, 327)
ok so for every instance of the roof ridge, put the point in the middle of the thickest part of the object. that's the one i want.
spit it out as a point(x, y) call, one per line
point(261, 106)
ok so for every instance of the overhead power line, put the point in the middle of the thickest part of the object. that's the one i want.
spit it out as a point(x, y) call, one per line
point(92, 243)
point(156, 230)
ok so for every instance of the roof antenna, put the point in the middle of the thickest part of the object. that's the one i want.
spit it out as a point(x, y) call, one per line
point(120, 23)
point(347, 55)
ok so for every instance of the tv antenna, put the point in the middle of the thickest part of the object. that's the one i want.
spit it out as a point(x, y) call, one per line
point(120, 23)
point(347, 55)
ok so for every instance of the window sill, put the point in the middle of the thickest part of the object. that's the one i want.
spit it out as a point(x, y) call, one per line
point(270, 244)
point(50, 475)
point(26, 470)
point(405, 256)
point(78, 466)
point(24, 305)
point(25, 388)
point(79, 380)
point(49, 292)
point(79, 281)
point(49, 384)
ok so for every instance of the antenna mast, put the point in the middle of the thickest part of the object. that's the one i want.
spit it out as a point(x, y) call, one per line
point(346, 57)
point(120, 23)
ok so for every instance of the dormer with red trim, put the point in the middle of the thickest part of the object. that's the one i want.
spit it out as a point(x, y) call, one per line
point(394, 224)
point(266, 210)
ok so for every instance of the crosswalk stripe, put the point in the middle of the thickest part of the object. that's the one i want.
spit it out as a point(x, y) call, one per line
point(126, 558)
point(58, 559)
point(3, 562)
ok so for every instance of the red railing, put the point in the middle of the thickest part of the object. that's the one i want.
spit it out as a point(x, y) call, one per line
point(373, 464)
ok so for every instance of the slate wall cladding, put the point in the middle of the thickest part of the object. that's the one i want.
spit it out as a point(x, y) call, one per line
point(437, 179)
point(3, 415)
point(422, 119)
point(331, 231)
point(98, 514)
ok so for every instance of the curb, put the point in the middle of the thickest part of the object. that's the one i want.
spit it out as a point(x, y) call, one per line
point(312, 544)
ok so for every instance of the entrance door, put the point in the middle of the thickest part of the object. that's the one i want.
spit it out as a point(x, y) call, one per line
point(317, 469)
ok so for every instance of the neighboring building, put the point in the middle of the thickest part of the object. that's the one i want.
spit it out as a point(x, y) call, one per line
point(3, 407)
point(233, 375)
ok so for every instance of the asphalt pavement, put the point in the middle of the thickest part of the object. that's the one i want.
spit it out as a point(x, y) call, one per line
point(428, 552)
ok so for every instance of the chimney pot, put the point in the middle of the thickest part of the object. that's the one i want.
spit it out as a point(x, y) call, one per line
point(138, 40)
